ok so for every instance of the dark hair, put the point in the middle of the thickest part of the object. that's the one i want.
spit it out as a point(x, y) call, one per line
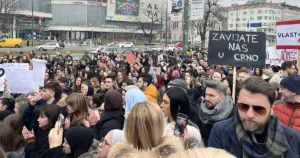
point(51, 112)
point(260, 72)
point(7, 137)
point(258, 85)
point(147, 78)
point(242, 69)
point(179, 101)
point(127, 81)
point(287, 64)
point(9, 102)
point(112, 75)
point(54, 86)
point(98, 99)
point(16, 123)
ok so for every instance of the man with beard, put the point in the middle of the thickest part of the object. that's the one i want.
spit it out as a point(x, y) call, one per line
point(217, 106)
point(145, 84)
point(288, 112)
point(254, 132)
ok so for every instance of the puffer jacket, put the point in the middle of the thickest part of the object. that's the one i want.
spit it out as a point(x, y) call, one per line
point(168, 146)
point(288, 114)
point(151, 93)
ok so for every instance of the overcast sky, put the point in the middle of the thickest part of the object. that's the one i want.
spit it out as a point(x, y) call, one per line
point(290, 2)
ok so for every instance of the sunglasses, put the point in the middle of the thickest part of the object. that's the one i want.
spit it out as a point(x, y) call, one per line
point(257, 109)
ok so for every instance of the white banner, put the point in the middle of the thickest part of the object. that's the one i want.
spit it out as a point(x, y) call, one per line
point(288, 35)
point(177, 10)
point(197, 9)
point(39, 68)
point(278, 56)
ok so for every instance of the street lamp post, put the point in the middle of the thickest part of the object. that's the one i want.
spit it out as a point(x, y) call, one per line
point(32, 20)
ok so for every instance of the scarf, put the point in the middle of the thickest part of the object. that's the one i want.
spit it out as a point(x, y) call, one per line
point(220, 112)
point(275, 146)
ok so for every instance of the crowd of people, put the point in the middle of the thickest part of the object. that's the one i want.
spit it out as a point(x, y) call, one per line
point(104, 106)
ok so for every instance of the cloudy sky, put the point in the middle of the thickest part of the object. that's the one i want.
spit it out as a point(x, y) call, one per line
point(290, 2)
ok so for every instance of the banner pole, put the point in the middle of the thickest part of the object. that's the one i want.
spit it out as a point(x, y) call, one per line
point(234, 84)
point(298, 64)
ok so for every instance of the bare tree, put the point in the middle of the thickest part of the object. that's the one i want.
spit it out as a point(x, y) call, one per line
point(211, 9)
point(7, 10)
point(150, 20)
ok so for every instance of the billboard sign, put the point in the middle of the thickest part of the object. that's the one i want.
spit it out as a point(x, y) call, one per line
point(127, 7)
point(197, 9)
point(177, 10)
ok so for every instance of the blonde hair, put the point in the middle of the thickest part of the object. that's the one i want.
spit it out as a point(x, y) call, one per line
point(202, 153)
point(79, 105)
point(144, 126)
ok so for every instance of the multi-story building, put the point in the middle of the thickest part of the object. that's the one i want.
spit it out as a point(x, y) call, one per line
point(260, 17)
point(82, 19)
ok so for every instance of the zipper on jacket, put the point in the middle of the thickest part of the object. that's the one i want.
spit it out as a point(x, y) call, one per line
point(290, 120)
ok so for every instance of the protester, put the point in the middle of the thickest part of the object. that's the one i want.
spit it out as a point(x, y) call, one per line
point(289, 112)
point(145, 84)
point(113, 115)
point(217, 106)
point(147, 138)
point(132, 97)
point(20, 105)
point(77, 86)
point(175, 101)
point(287, 68)
point(110, 140)
point(7, 139)
point(77, 141)
point(254, 132)
point(78, 111)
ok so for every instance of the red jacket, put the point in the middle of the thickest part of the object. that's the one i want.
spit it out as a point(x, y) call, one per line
point(288, 114)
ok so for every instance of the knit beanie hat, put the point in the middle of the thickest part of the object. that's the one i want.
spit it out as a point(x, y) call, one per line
point(117, 136)
point(179, 83)
point(292, 83)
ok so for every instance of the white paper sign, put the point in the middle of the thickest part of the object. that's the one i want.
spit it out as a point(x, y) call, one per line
point(197, 9)
point(288, 34)
point(2, 79)
point(19, 77)
point(39, 68)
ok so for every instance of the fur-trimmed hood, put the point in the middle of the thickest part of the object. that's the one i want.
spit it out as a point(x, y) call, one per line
point(168, 146)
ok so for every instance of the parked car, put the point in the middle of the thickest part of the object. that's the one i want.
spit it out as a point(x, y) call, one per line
point(48, 46)
point(126, 45)
point(170, 47)
point(96, 50)
point(113, 44)
point(152, 48)
point(108, 50)
point(179, 44)
point(11, 42)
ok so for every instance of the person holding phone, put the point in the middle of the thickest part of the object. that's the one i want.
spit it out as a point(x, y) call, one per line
point(175, 106)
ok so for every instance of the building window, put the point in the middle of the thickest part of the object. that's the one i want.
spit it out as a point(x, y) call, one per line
point(259, 11)
point(231, 14)
point(230, 25)
point(244, 13)
point(259, 18)
point(278, 12)
point(266, 17)
point(266, 11)
point(270, 18)
point(251, 18)
point(252, 12)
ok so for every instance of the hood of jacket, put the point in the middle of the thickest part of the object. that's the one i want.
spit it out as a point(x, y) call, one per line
point(168, 146)
point(151, 93)
point(93, 151)
point(221, 111)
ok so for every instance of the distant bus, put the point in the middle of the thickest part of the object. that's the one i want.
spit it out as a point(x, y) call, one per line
point(11, 42)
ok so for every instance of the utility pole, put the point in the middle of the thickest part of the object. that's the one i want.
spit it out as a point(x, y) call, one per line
point(32, 20)
point(167, 10)
point(185, 30)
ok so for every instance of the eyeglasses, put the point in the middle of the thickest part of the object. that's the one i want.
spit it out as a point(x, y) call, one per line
point(103, 142)
point(257, 109)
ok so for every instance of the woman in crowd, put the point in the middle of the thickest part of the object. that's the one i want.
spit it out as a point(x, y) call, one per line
point(77, 86)
point(132, 97)
point(144, 134)
point(16, 123)
point(77, 141)
point(77, 109)
point(202, 153)
point(20, 105)
point(258, 72)
point(7, 139)
point(175, 101)
point(113, 115)
point(37, 143)
point(111, 139)
point(7, 106)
